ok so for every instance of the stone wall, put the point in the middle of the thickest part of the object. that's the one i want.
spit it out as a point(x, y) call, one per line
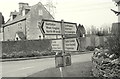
point(11, 49)
point(105, 64)
point(93, 41)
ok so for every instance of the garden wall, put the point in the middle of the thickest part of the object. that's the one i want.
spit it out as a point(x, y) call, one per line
point(91, 41)
point(41, 47)
point(25, 48)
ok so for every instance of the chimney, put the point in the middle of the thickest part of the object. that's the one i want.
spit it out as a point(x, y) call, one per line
point(21, 7)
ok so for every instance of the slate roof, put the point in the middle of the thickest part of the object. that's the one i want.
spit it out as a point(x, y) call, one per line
point(17, 19)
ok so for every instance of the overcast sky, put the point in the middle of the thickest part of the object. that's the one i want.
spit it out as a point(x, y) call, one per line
point(86, 12)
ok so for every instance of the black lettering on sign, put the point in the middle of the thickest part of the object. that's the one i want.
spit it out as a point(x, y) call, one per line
point(50, 24)
point(48, 27)
point(68, 25)
point(49, 31)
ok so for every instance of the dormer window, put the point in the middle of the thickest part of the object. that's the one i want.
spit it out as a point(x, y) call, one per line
point(14, 16)
point(26, 11)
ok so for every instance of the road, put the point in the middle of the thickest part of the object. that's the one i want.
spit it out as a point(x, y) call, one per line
point(28, 67)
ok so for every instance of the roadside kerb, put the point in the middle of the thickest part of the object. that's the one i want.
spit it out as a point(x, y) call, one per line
point(40, 57)
point(27, 58)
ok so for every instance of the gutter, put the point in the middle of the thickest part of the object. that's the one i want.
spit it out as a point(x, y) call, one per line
point(14, 22)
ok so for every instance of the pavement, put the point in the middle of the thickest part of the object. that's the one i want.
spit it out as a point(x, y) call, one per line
point(25, 68)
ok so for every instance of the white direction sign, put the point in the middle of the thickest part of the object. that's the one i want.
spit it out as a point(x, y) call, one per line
point(56, 44)
point(51, 27)
point(71, 44)
point(70, 28)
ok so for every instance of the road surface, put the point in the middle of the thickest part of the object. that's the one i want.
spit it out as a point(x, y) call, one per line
point(28, 67)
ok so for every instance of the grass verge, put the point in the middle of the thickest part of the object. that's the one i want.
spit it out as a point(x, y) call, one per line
point(83, 69)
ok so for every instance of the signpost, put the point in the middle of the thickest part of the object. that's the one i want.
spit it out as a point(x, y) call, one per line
point(70, 28)
point(56, 45)
point(51, 27)
point(71, 44)
point(62, 28)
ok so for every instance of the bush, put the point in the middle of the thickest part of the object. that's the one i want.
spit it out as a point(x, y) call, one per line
point(100, 46)
point(113, 45)
point(90, 48)
point(105, 64)
point(23, 54)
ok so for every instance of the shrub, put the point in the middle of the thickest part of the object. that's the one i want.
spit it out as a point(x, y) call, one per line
point(90, 48)
point(53, 53)
point(100, 46)
point(4, 55)
point(113, 45)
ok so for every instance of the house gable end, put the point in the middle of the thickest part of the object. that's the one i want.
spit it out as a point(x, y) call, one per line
point(45, 10)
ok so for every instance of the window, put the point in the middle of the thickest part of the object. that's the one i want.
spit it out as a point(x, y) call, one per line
point(14, 16)
point(26, 11)
point(40, 12)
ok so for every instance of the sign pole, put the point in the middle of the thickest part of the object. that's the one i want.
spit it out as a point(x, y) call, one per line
point(61, 71)
point(50, 27)
point(63, 34)
point(63, 47)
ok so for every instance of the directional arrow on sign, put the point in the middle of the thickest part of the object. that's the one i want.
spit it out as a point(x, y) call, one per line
point(71, 44)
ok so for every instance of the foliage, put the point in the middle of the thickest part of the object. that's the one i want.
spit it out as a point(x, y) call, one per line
point(80, 30)
point(100, 33)
point(22, 49)
point(23, 54)
point(105, 64)
point(90, 48)
point(113, 44)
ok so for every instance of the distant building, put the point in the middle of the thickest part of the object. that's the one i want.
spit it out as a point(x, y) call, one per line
point(1, 28)
point(116, 26)
point(23, 25)
point(119, 11)
point(118, 4)
point(1, 21)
